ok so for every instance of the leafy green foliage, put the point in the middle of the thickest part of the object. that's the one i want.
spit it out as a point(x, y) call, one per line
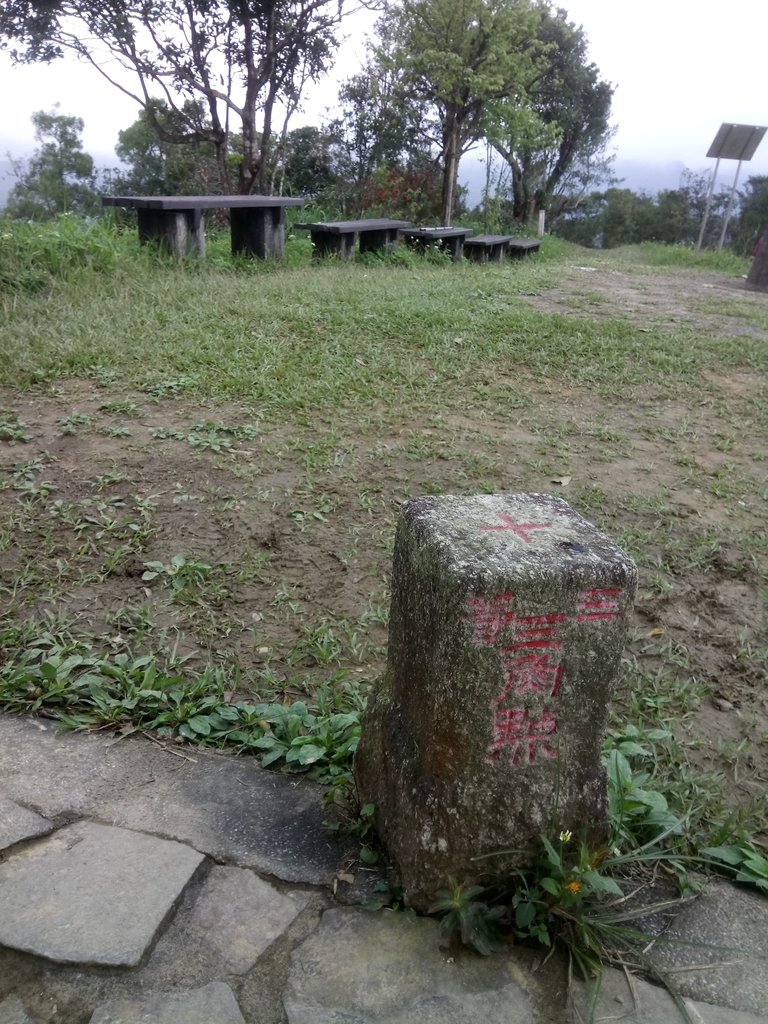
point(746, 862)
point(468, 918)
point(637, 811)
point(357, 822)
point(183, 575)
point(212, 62)
point(571, 895)
point(84, 689)
point(551, 137)
point(59, 177)
point(619, 216)
point(575, 895)
point(753, 214)
point(456, 58)
point(209, 436)
point(11, 427)
point(156, 161)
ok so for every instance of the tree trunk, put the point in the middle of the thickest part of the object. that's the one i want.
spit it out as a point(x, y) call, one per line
point(757, 278)
point(265, 150)
point(221, 149)
point(451, 155)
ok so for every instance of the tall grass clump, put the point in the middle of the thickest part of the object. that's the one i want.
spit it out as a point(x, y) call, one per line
point(34, 256)
point(658, 255)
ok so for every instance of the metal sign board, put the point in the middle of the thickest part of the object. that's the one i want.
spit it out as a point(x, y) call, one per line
point(736, 141)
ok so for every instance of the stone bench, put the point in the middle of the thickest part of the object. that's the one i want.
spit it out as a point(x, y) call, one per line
point(176, 223)
point(519, 248)
point(450, 240)
point(338, 238)
point(509, 615)
point(487, 247)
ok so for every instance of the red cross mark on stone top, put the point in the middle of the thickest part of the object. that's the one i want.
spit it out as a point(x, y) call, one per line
point(520, 530)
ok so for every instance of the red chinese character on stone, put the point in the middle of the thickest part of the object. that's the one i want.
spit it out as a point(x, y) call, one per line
point(530, 673)
point(601, 603)
point(530, 661)
point(490, 616)
point(524, 736)
point(539, 631)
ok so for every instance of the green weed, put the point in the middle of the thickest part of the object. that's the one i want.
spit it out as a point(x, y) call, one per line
point(185, 576)
point(11, 427)
point(84, 689)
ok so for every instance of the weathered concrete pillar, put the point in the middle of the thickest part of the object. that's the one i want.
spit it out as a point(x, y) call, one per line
point(258, 232)
point(757, 278)
point(509, 615)
point(179, 232)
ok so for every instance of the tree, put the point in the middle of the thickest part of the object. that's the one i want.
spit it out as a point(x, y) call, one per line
point(382, 122)
point(383, 149)
point(59, 177)
point(308, 163)
point(457, 56)
point(234, 59)
point(619, 216)
point(157, 167)
point(553, 134)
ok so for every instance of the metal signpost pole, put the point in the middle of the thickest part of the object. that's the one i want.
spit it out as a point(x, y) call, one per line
point(729, 207)
point(732, 142)
point(709, 203)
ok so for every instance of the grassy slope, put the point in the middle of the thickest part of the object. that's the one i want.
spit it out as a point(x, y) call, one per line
point(408, 334)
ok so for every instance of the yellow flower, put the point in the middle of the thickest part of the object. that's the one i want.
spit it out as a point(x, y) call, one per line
point(574, 887)
point(565, 836)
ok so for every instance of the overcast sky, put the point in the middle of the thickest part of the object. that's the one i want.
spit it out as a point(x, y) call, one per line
point(680, 68)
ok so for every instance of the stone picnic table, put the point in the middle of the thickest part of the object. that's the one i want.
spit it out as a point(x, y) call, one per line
point(257, 223)
point(339, 237)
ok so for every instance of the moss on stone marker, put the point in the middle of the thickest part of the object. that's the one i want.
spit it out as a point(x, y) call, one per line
point(509, 615)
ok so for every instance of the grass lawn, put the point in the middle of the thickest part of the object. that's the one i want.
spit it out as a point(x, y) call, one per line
point(201, 468)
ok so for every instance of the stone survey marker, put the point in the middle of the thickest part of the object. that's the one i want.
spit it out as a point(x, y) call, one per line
point(509, 615)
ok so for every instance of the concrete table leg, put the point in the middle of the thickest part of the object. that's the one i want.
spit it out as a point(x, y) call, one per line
point(455, 248)
point(258, 232)
point(326, 243)
point(476, 253)
point(378, 241)
point(180, 232)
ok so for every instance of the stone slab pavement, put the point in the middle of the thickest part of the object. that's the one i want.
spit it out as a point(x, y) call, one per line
point(141, 884)
point(18, 823)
